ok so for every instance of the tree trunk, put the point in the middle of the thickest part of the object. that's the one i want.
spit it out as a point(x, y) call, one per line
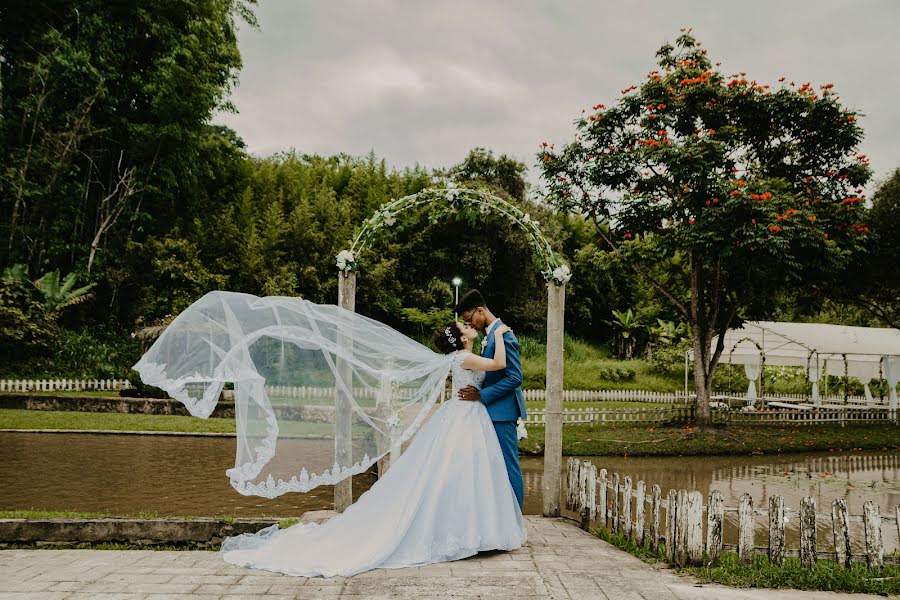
point(700, 339)
point(702, 379)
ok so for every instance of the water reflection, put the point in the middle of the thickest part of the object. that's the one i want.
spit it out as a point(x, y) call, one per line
point(171, 475)
point(855, 476)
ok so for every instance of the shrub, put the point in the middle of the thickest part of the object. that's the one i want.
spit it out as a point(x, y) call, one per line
point(618, 374)
point(668, 359)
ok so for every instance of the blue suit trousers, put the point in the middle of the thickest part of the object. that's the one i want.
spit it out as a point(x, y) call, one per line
point(509, 444)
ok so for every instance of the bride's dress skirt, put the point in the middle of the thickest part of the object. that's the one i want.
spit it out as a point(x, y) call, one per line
point(446, 498)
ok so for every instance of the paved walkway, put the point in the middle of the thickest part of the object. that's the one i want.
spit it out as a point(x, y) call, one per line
point(560, 562)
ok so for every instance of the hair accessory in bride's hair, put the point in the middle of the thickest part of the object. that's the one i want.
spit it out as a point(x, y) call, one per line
point(449, 335)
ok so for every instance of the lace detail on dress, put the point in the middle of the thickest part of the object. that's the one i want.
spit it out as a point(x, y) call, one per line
point(464, 377)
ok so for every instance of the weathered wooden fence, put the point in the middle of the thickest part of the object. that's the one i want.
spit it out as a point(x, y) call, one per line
point(623, 507)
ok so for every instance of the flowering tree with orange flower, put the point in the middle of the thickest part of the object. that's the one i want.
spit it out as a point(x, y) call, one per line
point(757, 188)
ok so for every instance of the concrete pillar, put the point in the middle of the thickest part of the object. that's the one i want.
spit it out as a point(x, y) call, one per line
point(343, 433)
point(556, 306)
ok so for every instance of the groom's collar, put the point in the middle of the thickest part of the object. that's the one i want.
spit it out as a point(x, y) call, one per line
point(492, 326)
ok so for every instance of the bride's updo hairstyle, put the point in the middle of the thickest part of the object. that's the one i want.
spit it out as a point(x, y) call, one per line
point(449, 339)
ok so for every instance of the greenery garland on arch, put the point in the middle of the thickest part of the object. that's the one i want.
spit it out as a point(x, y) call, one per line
point(450, 200)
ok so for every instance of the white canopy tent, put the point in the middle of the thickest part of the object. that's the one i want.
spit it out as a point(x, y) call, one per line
point(863, 352)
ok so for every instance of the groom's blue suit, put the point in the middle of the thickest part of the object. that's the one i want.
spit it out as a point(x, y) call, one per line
point(501, 393)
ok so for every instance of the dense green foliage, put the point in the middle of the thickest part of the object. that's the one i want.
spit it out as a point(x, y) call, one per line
point(120, 204)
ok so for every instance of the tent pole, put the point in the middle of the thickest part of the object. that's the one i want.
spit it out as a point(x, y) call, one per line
point(762, 372)
point(846, 381)
point(809, 387)
point(880, 380)
point(762, 381)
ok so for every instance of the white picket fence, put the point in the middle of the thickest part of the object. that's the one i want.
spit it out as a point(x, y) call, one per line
point(673, 413)
point(612, 502)
point(613, 396)
point(63, 385)
point(842, 415)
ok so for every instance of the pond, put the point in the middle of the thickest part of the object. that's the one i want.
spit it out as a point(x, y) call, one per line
point(185, 475)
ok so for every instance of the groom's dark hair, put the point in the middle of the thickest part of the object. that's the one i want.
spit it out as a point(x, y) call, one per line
point(470, 301)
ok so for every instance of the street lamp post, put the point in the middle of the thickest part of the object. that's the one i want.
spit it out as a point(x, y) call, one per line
point(456, 283)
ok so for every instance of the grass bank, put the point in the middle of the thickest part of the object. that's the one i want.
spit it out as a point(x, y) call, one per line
point(591, 367)
point(827, 575)
point(578, 440)
point(52, 419)
point(82, 421)
point(582, 440)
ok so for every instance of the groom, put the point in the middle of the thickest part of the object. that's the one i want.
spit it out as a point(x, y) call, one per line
point(501, 392)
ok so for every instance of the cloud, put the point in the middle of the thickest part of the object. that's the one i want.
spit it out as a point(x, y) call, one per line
point(424, 82)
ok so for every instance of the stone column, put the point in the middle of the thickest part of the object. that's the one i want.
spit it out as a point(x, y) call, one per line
point(556, 305)
point(343, 433)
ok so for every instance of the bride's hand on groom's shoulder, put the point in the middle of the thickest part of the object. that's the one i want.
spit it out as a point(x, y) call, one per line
point(503, 329)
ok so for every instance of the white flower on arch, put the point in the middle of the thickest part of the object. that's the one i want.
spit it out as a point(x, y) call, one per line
point(345, 260)
point(562, 274)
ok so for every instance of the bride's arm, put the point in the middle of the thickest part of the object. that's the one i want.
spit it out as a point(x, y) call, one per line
point(498, 363)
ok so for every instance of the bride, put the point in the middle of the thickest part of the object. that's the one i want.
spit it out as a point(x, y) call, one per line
point(447, 497)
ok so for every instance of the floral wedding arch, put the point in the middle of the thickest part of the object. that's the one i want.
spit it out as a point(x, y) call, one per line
point(440, 203)
point(445, 201)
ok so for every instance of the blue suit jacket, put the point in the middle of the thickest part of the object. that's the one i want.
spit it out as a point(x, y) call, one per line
point(501, 391)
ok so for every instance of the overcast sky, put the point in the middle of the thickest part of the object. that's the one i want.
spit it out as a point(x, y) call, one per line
point(425, 81)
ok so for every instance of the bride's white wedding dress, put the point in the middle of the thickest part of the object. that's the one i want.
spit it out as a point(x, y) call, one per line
point(446, 498)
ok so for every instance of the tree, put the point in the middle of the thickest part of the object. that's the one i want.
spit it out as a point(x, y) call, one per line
point(628, 326)
point(503, 172)
point(756, 189)
point(874, 280)
point(104, 122)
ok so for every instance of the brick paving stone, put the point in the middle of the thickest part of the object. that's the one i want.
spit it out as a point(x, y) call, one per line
point(559, 562)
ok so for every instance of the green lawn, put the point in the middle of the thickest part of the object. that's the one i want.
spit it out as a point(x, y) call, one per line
point(583, 365)
point(51, 419)
point(582, 440)
point(577, 439)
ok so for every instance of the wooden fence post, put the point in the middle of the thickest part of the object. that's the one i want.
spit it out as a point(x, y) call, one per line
point(681, 528)
point(592, 492)
point(604, 515)
point(654, 518)
point(640, 502)
point(872, 524)
point(615, 515)
point(776, 529)
point(582, 489)
point(626, 507)
point(556, 303)
point(897, 517)
point(808, 531)
point(570, 479)
point(841, 526)
point(745, 529)
point(343, 432)
point(671, 520)
point(714, 527)
point(695, 528)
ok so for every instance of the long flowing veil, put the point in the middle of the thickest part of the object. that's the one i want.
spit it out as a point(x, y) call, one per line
point(320, 392)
